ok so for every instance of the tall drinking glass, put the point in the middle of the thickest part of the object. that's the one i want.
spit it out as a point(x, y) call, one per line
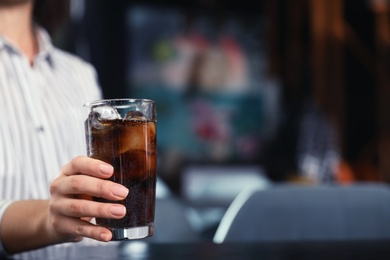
point(122, 132)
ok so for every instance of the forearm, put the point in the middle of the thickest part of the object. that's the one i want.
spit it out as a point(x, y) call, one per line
point(26, 226)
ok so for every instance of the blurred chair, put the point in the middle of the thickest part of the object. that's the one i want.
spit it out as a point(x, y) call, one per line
point(171, 224)
point(162, 189)
point(293, 213)
point(219, 185)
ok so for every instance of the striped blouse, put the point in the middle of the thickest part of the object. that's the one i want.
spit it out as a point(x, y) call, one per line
point(42, 116)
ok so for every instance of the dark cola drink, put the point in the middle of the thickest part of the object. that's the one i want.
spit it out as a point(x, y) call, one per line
point(129, 145)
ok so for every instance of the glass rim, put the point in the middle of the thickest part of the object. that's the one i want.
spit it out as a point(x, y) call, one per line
point(100, 102)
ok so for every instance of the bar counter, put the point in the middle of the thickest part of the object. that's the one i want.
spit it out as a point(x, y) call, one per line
point(333, 250)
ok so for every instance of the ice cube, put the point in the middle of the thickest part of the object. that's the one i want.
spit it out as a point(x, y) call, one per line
point(139, 163)
point(133, 138)
point(135, 116)
point(93, 121)
point(106, 113)
point(152, 131)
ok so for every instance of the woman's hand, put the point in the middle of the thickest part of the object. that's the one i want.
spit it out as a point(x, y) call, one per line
point(31, 224)
point(70, 210)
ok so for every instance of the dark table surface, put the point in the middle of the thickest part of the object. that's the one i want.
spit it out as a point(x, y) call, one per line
point(370, 249)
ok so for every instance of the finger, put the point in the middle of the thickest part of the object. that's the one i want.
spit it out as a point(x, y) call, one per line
point(88, 166)
point(88, 219)
point(75, 229)
point(87, 185)
point(82, 208)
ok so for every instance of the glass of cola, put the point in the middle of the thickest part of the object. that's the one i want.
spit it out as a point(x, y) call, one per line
point(122, 132)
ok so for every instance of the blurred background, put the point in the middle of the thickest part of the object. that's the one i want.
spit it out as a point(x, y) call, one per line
point(265, 92)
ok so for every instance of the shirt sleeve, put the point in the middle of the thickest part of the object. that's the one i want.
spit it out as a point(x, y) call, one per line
point(3, 206)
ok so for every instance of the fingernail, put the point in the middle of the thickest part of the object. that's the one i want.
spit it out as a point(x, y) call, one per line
point(104, 237)
point(120, 191)
point(118, 210)
point(106, 169)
